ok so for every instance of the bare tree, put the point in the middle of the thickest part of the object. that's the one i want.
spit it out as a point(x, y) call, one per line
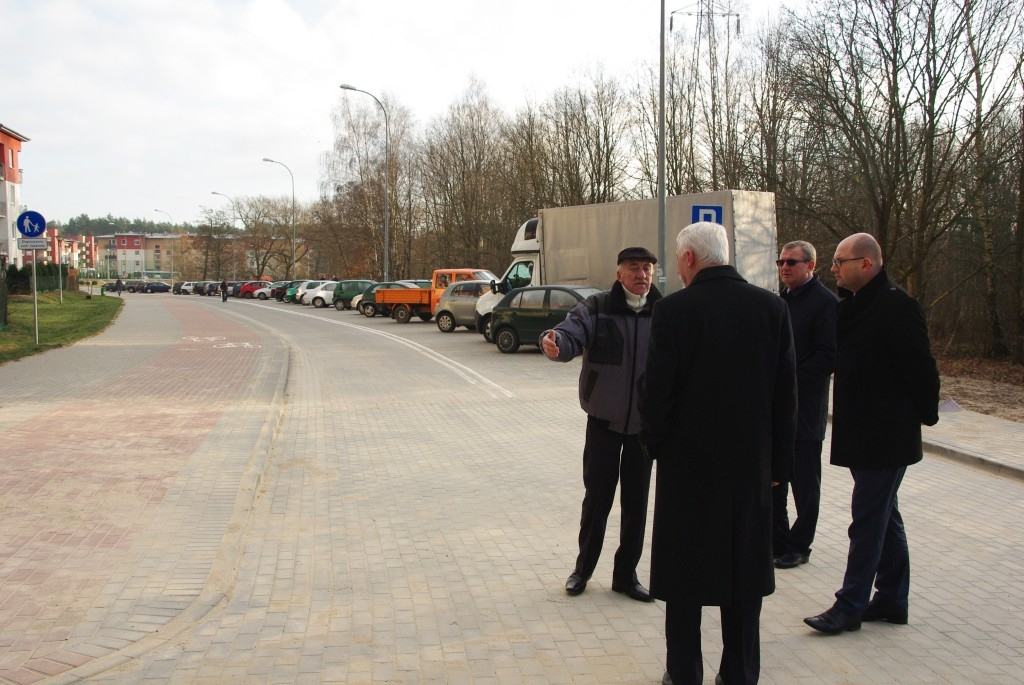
point(460, 169)
point(588, 125)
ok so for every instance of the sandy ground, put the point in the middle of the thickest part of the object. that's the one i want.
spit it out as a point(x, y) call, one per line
point(984, 386)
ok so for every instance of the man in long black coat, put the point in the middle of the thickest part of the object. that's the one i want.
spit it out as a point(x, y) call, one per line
point(886, 386)
point(719, 414)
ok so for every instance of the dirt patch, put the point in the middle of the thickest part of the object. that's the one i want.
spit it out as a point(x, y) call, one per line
point(984, 385)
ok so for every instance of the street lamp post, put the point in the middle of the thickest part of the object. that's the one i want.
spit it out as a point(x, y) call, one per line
point(171, 219)
point(387, 168)
point(274, 161)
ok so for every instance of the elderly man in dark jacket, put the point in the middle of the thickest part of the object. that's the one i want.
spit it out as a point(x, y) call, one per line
point(812, 310)
point(886, 386)
point(611, 331)
point(718, 402)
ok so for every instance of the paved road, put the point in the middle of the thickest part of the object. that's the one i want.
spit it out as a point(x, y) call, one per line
point(263, 493)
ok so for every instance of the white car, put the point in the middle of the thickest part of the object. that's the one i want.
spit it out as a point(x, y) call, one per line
point(321, 295)
point(303, 288)
point(188, 287)
point(261, 294)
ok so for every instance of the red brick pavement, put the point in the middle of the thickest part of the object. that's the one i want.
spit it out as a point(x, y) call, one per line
point(83, 479)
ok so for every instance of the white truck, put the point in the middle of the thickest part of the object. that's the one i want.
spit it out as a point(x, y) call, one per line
point(578, 245)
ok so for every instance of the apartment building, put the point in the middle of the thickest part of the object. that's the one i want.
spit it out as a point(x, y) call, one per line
point(10, 203)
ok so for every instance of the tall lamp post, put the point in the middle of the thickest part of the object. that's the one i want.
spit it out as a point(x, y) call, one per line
point(169, 218)
point(387, 171)
point(274, 161)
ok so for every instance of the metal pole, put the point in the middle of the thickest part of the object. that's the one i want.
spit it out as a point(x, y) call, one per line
point(274, 161)
point(387, 174)
point(35, 295)
point(662, 279)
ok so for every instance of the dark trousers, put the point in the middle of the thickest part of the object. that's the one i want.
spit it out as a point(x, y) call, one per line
point(608, 458)
point(741, 643)
point(878, 543)
point(806, 498)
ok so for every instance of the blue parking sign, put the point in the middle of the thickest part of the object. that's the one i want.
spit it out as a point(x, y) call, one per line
point(31, 224)
point(712, 213)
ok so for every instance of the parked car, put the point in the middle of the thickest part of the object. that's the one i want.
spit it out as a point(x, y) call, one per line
point(248, 289)
point(133, 285)
point(522, 315)
point(153, 287)
point(303, 288)
point(321, 295)
point(176, 288)
point(211, 287)
point(368, 304)
point(187, 288)
point(457, 305)
point(262, 293)
point(344, 291)
point(280, 289)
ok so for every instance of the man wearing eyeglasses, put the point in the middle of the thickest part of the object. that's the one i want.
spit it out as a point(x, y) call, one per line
point(812, 311)
point(886, 386)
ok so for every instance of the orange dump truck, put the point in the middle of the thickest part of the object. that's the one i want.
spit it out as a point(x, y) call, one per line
point(405, 303)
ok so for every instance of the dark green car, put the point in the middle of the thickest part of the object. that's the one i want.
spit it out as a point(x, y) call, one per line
point(346, 290)
point(521, 316)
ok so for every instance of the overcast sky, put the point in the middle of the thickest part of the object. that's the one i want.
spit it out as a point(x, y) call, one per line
point(138, 105)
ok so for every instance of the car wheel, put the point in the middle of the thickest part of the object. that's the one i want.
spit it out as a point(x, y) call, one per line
point(445, 322)
point(339, 305)
point(507, 340)
point(369, 310)
point(401, 313)
point(247, 295)
point(485, 328)
point(262, 296)
point(318, 302)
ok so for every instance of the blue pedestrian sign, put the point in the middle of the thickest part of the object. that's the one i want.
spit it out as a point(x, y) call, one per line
point(31, 224)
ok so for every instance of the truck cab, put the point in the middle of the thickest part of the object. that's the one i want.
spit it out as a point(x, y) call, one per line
point(519, 274)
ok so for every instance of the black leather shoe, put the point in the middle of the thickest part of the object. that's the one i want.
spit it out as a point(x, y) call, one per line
point(833, 622)
point(875, 611)
point(633, 590)
point(791, 560)
point(576, 584)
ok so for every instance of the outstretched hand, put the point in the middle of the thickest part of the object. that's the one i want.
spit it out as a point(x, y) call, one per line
point(549, 345)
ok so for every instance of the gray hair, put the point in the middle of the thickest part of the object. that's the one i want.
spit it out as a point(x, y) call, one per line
point(706, 240)
point(810, 254)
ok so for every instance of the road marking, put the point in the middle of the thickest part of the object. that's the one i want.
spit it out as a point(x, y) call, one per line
point(245, 344)
point(461, 370)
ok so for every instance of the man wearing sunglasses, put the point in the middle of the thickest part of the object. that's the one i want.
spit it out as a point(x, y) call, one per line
point(812, 311)
point(886, 386)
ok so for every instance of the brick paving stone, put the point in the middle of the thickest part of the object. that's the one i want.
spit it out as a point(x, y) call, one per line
point(341, 505)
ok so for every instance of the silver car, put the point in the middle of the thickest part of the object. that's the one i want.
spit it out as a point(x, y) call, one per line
point(457, 305)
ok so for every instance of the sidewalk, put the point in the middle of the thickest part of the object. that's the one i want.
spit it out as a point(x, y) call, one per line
point(191, 497)
point(980, 440)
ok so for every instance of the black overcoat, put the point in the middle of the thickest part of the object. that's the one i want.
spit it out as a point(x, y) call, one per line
point(886, 381)
point(812, 311)
point(718, 404)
